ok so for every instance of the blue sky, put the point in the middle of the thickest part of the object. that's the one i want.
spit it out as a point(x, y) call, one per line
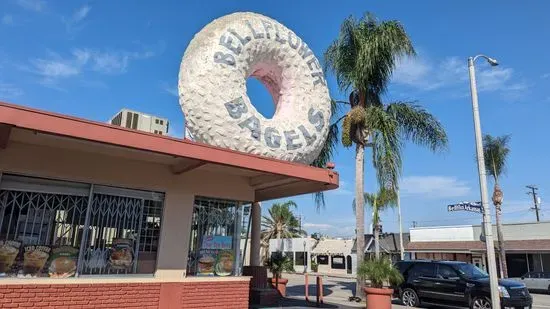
point(89, 59)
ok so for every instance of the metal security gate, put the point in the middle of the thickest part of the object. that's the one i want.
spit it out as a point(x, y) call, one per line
point(36, 218)
point(213, 218)
point(111, 217)
point(92, 218)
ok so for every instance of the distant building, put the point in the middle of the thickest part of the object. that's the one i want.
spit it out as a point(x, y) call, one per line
point(335, 257)
point(297, 249)
point(140, 121)
point(389, 246)
point(527, 245)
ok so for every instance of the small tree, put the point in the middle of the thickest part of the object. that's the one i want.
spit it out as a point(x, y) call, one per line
point(379, 271)
point(279, 263)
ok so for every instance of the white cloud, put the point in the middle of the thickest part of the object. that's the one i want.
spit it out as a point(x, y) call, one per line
point(169, 88)
point(434, 187)
point(110, 62)
point(9, 91)
point(73, 24)
point(413, 72)
point(425, 75)
point(318, 226)
point(32, 5)
point(343, 189)
point(545, 75)
point(7, 20)
point(54, 67)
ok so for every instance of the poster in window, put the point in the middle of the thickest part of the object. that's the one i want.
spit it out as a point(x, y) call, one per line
point(9, 250)
point(217, 242)
point(34, 259)
point(63, 262)
point(207, 260)
point(224, 263)
point(121, 256)
point(215, 256)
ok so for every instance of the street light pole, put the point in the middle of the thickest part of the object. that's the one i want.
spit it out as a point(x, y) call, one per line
point(487, 226)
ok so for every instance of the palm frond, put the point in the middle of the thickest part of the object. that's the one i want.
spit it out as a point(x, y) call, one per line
point(386, 143)
point(326, 154)
point(418, 125)
point(495, 151)
point(381, 45)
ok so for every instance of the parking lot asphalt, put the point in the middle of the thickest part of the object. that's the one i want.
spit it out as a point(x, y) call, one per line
point(337, 291)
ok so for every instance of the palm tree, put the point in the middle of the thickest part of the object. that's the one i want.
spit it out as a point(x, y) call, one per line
point(384, 198)
point(495, 151)
point(363, 58)
point(281, 223)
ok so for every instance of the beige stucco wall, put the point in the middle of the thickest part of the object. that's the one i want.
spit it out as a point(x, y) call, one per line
point(179, 190)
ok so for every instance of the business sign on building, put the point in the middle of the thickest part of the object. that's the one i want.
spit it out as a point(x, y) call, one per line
point(466, 206)
point(213, 92)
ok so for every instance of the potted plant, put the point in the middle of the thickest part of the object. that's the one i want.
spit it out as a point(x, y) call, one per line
point(314, 266)
point(277, 264)
point(381, 274)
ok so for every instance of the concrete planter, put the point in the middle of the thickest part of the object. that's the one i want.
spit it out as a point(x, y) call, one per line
point(281, 287)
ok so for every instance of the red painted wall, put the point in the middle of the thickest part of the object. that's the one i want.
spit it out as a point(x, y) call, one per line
point(214, 294)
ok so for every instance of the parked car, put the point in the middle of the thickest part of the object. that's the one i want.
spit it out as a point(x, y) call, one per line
point(536, 281)
point(455, 283)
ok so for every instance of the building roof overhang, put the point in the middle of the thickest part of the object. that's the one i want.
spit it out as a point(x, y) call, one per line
point(270, 178)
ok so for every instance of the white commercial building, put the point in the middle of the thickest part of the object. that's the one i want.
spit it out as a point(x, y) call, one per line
point(527, 245)
point(298, 249)
point(334, 256)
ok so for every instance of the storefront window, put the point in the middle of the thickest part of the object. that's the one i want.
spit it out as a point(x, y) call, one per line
point(215, 237)
point(59, 229)
point(301, 258)
point(338, 262)
point(322, 259)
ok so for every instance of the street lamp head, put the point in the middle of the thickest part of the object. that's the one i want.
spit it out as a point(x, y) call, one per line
point(492, 62)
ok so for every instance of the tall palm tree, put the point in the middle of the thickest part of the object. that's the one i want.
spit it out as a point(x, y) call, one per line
point(363, 58)
point(495, 151)
point(281, 223)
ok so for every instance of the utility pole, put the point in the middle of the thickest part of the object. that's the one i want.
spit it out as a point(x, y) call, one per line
point(533, 192)
point(300, 218)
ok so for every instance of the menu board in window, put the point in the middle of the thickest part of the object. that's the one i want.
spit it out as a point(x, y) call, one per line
point(216, 256)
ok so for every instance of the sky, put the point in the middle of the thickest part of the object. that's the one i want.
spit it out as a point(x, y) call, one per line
point(92, 58)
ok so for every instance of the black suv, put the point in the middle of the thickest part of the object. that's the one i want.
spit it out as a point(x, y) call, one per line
point(455, 283)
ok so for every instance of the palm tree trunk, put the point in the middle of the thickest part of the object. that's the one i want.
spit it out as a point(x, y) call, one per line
point(377, 240)
point(501, 250)
point(359, 212)
point(280, 241)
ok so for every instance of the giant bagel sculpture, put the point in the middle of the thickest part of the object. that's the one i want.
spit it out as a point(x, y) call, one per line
point(212, 89)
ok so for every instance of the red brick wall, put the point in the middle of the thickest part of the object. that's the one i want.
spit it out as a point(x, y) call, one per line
point(226, 295)
point(131, 295)
point(213, 294)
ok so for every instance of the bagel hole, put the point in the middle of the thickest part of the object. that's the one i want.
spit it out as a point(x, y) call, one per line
point(260, 97)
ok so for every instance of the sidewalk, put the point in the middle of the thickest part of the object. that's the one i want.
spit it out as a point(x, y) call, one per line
point(312, 274)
